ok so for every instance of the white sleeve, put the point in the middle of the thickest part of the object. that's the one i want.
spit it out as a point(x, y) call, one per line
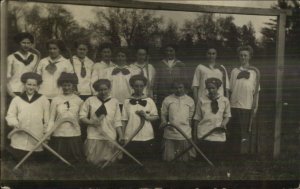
point(12, 113)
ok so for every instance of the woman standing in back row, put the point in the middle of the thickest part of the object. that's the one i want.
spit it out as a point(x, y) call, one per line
point(244, 86)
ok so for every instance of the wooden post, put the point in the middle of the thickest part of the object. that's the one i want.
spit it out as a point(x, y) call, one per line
point(3, 57)
point(281, 21)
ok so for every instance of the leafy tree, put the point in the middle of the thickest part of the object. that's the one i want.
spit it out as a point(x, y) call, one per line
point(130, 25)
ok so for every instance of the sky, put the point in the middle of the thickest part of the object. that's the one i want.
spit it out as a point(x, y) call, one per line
point(84, 14)
point(258, 22)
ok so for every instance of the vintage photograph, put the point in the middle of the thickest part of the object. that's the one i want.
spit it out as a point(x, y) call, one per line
point(150, 90)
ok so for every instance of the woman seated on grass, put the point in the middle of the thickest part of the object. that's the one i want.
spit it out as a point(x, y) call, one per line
point(138, 107)
point(212, 111)
point(102, 115)
point(177, 109)
point(66, 138)
point(28, 111)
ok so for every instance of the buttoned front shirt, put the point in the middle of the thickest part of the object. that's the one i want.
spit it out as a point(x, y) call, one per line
point(179, 111)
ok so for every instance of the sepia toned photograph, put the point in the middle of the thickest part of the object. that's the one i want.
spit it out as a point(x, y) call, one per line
point(159, 92)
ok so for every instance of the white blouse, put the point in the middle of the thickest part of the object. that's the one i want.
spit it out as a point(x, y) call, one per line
point(208, 120)
point(65, 107)
point(15, 69)
point(49, 87)
point(120, 87)
point(149, 73)
point(98, 72)
point(242, 90)
point(179, 110)
point(202, 73)
point(129, 114)
point(32, 115)
point(84, 83)
point(110, 122)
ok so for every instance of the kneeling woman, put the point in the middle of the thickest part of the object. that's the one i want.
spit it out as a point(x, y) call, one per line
point(136, 107)
point(28, 111)
point(212, 111)
point(66, 138)
point(102, 115)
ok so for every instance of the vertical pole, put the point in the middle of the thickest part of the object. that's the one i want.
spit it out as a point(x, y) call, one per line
point(281, 21)
point(3, 57)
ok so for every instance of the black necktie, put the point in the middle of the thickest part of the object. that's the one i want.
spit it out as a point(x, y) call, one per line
point(214, 104)
point(24, 61)
point(83, 69)
point(102, 110)
point(243, 74)
point(124, 71)
point(138, 101)
point(51, 67)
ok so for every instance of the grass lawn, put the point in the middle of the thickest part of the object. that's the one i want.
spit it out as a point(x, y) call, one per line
point(244, 169)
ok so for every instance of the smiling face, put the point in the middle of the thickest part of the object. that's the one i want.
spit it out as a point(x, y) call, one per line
point(31, 86)
point(245, 57)
point(121, 59)
point(81, 51)
point(141, 56)
point(67, 87)
point(53, 50)
point(138, 87)
point(25, 45)
point(106, 54)
point(170, 53)
point(103, 91)
point(211, 55)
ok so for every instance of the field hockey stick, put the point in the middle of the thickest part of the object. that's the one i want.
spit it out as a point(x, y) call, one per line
point(118, 146)
point(45, 137)
point(217, 129)
point(72, 63)
point(38, 53)
point(255, 93)
point(191, 142)
point(37, 139)
point(129, 140)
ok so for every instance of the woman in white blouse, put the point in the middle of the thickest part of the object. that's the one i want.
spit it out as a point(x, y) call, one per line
point(135, 107)
point(212, 111)
point(20, 62)
point(66, 138)
point(51, 67)
point(103, 116)
point(29, 111)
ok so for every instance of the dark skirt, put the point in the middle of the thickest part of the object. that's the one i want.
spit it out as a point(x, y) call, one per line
point(213, 150)
point(18, 154)
point(142, 150)
point(70, 148)
point(240, 140)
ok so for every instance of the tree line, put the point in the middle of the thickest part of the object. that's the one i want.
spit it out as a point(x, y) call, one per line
point(135, 27)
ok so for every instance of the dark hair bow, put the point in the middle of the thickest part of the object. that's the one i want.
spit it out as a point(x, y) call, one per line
point(138, 101)
point(24, 61)
point(243, 74)
point(124, 71)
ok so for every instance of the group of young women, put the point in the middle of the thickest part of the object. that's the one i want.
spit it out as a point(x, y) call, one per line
point(107, 100)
